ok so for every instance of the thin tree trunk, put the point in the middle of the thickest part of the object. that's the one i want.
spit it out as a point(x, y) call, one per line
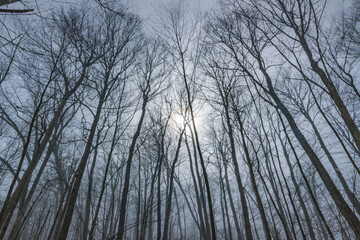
point(126, 187)
point(69, 210)
point(85, 230)
point(260, 206)
point(232, 205)
point(171, 185)
point(344, 112)
point(298, 193)
point(199, 192)
point(344, 208)
point(237, 174)
point(202, 162)
point(353, 199)
point(12, 200)
point(314, 201)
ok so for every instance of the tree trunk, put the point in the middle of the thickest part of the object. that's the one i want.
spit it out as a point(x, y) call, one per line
point(126, 187)
point(69, 210)
point(171, 185)
point(344, 208)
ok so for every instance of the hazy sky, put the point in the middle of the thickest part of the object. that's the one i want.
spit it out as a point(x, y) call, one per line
point(146, 7)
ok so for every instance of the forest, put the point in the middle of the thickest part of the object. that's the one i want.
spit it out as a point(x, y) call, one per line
point(237, 122)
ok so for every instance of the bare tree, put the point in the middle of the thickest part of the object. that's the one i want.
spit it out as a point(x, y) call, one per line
point(241, 123)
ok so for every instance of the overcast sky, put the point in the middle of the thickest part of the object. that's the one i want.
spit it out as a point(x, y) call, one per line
point(146, 7)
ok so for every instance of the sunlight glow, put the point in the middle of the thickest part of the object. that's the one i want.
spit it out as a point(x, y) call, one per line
point(179, 120)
